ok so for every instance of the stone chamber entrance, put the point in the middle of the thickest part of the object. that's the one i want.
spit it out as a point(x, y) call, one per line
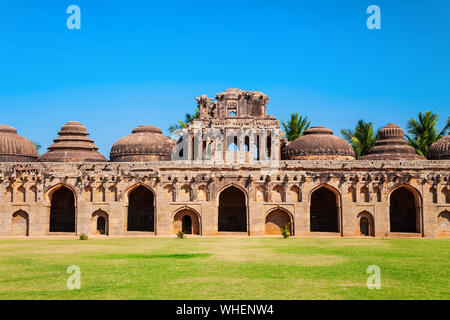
point(19, 224)
point(232, 211)
point(404, 213)
point(141, 210)
point(276, 220)
point(365, 224)
point(100, 223)
point(186, 221)
point(324, 211)
point(62, 211)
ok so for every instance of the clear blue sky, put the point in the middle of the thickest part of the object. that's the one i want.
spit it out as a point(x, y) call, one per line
point(144, 62)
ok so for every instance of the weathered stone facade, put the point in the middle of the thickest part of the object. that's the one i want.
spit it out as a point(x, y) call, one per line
point(254, 192)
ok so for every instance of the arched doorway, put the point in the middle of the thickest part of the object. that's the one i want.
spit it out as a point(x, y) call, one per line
point(365, 224)
point(19, 224)
point(100, 223)
point(187, 221)
point(404, 213)
point(232, 210)
point(62, 211)
point(324, 211)
point(276, 220)
point(141, 210)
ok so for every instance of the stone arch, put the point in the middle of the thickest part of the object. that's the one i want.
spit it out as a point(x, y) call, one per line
point(365, 224)
point(277, 193)
point(48, 194)
point(88, 194)
point(34, 192)
point(443, 224)
point(295, 194)
point(62, 210)
point(433, 194)
point(141, 209)
point(10, 193)
point(185, 193)
point(446, 194)
point(378, 193)
point(276, 219)
point(126, 194)
point(325, 209)
point(405, 206)
point(232, 209)
point(366, 194)
point(100, 194)
point(260, 193)
point(352, 194)
point(170, 193)
point(187, 220)
point(100, 223)
point(112, 193)
point(20, 224)
point(203, 193)
point(22, 194)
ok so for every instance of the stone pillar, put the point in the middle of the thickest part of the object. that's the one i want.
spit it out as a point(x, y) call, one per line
point(189, 146)
point(241, 145)
point(251, 146)
point(262, 145)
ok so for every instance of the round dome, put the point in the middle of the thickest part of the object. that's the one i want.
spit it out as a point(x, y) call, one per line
point(440, 150)
point(73, 145)
point(15, 148)
point(146, 143)
point(392, 146)
point(319, 143)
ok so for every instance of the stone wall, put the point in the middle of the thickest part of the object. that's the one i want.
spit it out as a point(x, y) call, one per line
point(362, 189)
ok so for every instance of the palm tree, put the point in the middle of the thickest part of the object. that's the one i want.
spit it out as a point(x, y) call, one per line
point(188, 118)
point(37, 145)
point(296, 126)
point(362, 138)
point(423, 132)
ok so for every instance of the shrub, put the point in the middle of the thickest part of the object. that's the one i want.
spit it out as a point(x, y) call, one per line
point(180, 235)
point(84, 236)
point(285, 232)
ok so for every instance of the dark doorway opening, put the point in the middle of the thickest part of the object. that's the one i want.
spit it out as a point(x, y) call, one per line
point(141, 210)
point(62, 211)
point(324, 211)
point(187, 225)
point(232, 211)
point(403, 212)
point(364, 226)
point(101, 225)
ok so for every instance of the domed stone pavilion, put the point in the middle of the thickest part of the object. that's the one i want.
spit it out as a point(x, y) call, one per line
point(319, 143)
point(145, 143)
point(73, 145)
point(440, 150)
point(14, 147)
point(392, 146)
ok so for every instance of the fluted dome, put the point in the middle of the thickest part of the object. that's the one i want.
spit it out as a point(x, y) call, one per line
point(440, 150)
point(319, 143)
point(15, 148)
point(73, 145)
point(392, 146)
point(146, 143)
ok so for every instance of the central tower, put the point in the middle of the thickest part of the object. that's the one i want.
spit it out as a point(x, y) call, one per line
point(233, 128)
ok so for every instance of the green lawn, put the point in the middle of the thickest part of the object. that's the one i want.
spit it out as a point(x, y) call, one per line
point(225, 268)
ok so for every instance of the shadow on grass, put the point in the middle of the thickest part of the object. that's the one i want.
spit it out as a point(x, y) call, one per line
point(155, 256)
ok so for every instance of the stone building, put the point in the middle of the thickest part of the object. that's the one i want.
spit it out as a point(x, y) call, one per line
point(230, 172)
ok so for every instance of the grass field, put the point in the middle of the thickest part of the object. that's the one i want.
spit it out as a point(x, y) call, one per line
point(225, 268)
